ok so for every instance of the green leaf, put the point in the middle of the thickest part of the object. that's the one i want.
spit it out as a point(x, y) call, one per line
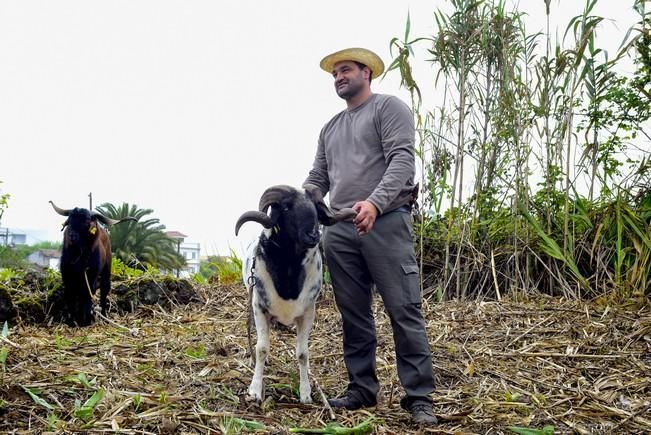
point(407, 27)
point(252, 425)
point(196, 352)
point(511, 397)
point(82, 379)
point(137, 400)
point(85, 412)
point(4, 352)
point(337, 429)
point(546, 430)
point(5, 330)
point(633, 223)
point(234, 423)
point(33, 393)
point(53, 422)
point(551, 248)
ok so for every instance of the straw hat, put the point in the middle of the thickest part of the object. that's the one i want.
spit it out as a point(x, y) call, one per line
point(361, 55)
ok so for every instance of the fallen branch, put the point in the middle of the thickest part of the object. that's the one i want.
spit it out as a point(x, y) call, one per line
point(324, 399)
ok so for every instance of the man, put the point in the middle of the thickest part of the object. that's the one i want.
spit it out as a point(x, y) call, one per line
point(365, 159)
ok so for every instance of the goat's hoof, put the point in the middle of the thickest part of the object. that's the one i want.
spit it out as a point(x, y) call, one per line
point(255, 395)
point(305, 393)
point(254, 399)
point(250, 398)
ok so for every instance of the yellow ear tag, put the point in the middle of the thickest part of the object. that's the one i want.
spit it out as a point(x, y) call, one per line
point(92, 230)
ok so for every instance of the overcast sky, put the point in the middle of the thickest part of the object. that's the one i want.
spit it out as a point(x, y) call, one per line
point(190, 108)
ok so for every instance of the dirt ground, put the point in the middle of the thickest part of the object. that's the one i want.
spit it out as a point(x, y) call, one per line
point(527, 362)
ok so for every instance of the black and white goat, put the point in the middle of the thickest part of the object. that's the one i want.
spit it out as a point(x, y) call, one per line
point(287, 268)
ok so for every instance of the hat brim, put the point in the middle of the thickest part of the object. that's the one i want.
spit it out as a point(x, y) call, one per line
point(361, 55)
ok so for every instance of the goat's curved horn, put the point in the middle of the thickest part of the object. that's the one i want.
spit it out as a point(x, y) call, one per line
point(273, 195)
point(326, 215)
point(255, 216)
point(61, 211)
point(344, 214)
point(314, 192)
point(108, 221)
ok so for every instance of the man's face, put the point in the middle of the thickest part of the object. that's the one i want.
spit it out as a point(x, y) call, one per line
point(349, 78)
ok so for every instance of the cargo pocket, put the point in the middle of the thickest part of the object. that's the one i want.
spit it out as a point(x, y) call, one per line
point(410, 283)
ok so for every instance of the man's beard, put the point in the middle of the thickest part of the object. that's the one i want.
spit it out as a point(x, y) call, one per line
point(350, 90)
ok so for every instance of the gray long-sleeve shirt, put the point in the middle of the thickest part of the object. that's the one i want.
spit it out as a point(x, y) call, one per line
point(367, 154)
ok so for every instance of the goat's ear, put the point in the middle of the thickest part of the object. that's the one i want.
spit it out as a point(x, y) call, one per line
point(92, 230)
point(64, 225)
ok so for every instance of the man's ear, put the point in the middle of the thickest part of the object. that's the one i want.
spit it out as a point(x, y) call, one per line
point(367, 74)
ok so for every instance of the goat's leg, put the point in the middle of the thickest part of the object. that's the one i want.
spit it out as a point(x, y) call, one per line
point(261, 351)
point(303, 328)
point(70, 312)
point(85, 309)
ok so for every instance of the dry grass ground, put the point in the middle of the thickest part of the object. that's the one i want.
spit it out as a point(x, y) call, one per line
point(531, 363)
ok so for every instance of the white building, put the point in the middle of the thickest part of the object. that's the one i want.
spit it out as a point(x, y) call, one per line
point(21, 236)
point(46, 258)
point(189, 250)
point(12, 237)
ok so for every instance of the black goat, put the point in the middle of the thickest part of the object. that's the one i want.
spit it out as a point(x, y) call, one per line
point(85, 262)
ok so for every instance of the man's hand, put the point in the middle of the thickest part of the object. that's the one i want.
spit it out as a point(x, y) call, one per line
point(366, 215)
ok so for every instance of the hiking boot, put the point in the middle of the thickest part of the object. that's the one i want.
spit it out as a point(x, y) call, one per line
point(349, 401)
point(422, 414)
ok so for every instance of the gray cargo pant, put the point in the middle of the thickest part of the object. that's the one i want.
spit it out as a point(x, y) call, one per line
point(384, 257)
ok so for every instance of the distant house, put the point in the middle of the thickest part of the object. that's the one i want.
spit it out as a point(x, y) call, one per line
point(189, 250)
point(21, 236)
point(46, 258)
point(12, 237)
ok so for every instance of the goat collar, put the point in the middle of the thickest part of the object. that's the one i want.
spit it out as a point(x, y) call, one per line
point(252, 280)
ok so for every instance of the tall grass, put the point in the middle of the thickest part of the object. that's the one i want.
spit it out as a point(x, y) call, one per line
point(529, 180)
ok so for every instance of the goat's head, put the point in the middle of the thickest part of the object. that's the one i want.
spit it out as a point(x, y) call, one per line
point(294, 214)
point(81, 224)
